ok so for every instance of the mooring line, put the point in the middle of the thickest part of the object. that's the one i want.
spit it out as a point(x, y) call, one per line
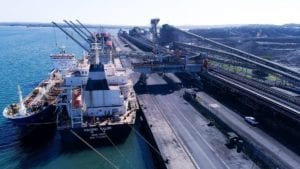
point(115, 146)
point(96, 151)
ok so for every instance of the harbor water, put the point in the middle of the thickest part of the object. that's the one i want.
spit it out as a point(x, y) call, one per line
point(24, 59)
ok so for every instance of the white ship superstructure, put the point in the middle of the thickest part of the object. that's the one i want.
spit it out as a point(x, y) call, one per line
point(104, 98)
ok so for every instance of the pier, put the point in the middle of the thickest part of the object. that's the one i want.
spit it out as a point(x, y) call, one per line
point(181, 132)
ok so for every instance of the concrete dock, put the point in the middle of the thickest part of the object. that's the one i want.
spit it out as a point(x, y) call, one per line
point(124, 46)
point(269, 148)
point(120, 45)
point(181, 132)
point(169, 144)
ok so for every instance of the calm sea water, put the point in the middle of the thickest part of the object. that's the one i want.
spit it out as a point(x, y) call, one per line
point(24, 60)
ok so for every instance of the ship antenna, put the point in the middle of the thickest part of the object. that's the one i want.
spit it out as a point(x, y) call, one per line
point(22, 109)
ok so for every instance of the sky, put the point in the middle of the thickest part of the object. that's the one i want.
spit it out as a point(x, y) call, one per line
point(139, 12)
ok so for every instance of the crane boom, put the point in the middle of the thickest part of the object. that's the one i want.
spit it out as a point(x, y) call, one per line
point(76, 31)
point(84, 27)
point(84, 33)
point(75, 40)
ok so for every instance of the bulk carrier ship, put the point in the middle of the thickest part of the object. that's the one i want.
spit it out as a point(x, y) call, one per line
point(98, 101)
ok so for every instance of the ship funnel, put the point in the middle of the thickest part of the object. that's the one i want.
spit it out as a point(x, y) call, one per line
point(22, 109)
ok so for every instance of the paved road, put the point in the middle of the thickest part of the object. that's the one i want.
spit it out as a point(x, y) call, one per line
point(260, 140)
point(204, 144)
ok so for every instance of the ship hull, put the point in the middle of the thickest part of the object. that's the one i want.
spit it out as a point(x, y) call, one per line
point(117, 133)
point(43, 117)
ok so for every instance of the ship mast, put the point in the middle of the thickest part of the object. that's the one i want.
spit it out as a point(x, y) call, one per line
point(97, 57)
point(22, 110)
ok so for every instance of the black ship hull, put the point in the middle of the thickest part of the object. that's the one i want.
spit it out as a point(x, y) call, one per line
point(43, 117)
point(117, 133)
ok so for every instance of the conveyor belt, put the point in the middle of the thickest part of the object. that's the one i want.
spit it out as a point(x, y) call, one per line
point(268, 67)
point(245, 55)
point(260, 86)
point(290, 108)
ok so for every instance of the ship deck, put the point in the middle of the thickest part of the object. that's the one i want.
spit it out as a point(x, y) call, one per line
point(52, 90)
point(127, 118)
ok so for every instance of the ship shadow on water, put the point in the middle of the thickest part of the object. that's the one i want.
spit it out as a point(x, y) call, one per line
point(37, 136)
point(43, 145)
point(37, 147)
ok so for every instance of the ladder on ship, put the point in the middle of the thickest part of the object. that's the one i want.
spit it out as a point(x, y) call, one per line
point(76, 118)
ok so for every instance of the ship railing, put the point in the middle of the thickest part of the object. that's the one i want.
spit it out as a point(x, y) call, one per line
point(91, 124)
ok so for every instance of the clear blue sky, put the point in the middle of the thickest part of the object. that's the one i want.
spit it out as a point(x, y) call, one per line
point(139, 12)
